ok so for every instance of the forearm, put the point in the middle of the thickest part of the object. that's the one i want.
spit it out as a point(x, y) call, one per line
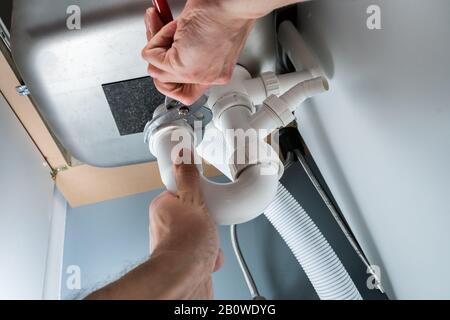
point(166, 276)
point(247, 9)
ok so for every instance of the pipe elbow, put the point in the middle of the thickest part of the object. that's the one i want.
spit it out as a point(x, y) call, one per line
point(244, 199)
point(229, 203)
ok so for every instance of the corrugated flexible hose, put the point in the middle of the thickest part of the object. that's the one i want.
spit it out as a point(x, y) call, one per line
point(324, 269)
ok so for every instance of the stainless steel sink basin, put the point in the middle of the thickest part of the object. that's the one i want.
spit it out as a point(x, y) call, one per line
point(66, 71)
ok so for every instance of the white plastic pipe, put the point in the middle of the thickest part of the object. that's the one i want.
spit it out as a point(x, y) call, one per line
point(256, 179)
point(244, 199)
point(258, 92)
point(278, 112)
point(235, 117)
point(297, 50)
point(231, 203)
point(323, 267)
point(265, 119)
point(302, 91)
point(165, 148)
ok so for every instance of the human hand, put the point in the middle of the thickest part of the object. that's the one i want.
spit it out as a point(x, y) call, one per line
point(181, 226)
point(199, 49)
point(184, 244)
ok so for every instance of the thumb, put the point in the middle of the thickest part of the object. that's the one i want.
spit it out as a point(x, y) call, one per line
point(188, 180)
point(153, 23)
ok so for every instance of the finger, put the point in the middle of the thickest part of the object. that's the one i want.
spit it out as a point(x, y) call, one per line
point(161, 75)
point(155, 51)
point(168, 77)
point(189, 93)
point(154, 22)
point(185, 93)
point(165, 88)
point(156, 57)
point(147, 20)
point(188, 178)
point(163, 38)
point(165, 76)
point(220, 260)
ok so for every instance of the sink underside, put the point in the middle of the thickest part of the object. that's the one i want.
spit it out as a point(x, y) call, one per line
point(91, 85)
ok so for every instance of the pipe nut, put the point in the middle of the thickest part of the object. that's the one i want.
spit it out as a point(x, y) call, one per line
point(280, 109)
point(271, 83)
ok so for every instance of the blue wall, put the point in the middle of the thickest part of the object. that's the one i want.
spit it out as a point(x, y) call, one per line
point(106, 239)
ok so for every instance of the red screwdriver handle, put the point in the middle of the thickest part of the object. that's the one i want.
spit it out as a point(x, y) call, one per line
point(163, 9)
